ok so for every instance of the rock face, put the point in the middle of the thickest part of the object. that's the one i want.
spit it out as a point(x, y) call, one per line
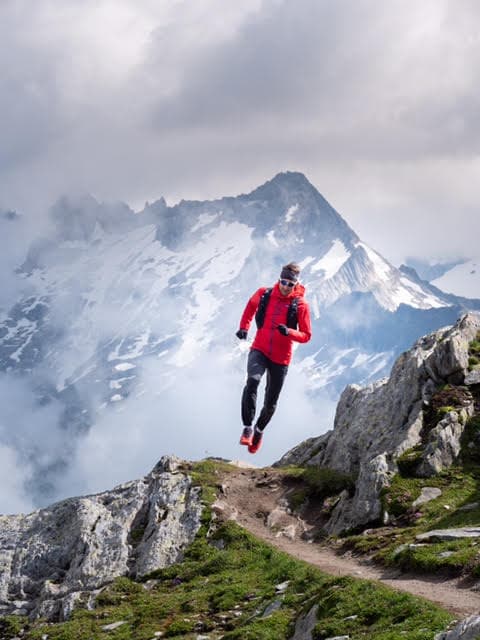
point(468, 629)
point(376, 424)
point(56, 556)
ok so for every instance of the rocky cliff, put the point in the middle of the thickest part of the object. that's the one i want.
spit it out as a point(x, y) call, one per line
point(376, 425)
point(62, 555)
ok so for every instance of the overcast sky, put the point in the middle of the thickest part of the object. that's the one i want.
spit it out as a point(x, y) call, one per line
point(376, 101)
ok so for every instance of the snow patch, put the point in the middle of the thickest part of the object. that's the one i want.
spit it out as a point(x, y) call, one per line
point(306, 261)
point(381, 266)
point(411, 293)
point(271, 238)
point(332, 261)
point(124, 366)
point(291, 212)
point(204, 219)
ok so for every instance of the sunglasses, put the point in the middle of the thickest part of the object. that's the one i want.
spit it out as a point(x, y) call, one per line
point(287, 283)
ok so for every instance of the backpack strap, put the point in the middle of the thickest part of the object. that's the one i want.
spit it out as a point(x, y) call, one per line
point(262, 307)
point(292, 314)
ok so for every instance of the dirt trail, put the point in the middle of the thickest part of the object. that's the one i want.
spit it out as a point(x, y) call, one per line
point(256, 500)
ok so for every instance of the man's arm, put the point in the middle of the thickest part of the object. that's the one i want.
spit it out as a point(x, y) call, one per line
point(251, 309)
point(304, 331)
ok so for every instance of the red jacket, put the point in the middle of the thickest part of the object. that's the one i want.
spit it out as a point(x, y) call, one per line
point(268, 339)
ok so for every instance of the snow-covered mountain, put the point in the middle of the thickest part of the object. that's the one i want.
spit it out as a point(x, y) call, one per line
point(459, 277)
point(119, 309)
point(462, 279)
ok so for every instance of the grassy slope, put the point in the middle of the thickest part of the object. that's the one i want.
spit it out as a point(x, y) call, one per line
point(223, 588)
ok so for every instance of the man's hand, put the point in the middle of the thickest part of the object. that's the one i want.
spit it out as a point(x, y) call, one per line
point(241, 334)
point(283, 329)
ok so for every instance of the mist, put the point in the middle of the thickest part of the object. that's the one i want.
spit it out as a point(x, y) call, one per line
point(195, 417)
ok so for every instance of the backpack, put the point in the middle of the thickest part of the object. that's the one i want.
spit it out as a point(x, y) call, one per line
point(292, 315)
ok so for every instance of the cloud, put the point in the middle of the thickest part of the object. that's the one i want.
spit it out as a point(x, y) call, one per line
point(13, 475)
point(31, 439)
point(196, 416)
point(376, 103)
point(16, 236)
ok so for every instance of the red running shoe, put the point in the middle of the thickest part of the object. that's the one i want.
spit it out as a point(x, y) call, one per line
point(246, 437)
point(256, 442)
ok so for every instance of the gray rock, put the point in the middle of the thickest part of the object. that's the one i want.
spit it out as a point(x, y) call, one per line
point(272, 607)
point(57, 557)
point(114, 625)
point(472, 377)
point(376, 424)
point(471, 506)
point(305, 624)
point(468, 629)
point(282, 586)
point(450, 534)
point(443, 447)
point(426, 495)
point(308, 452)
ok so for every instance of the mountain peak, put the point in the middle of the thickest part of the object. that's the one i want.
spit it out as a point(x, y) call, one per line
point(290, 181)
point(292, 178)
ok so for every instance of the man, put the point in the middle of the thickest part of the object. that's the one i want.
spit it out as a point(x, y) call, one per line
point(277, 315)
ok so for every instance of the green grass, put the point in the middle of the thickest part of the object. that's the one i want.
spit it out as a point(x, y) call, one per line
point(225, 592)
point(474, 353)
point(223, 587)
point(317, 484)
point(460, 486)
point(361, 609)
point(474, 346)
point(451, 558)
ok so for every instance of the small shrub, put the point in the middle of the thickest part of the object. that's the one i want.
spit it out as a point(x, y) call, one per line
point(399, 503)
point(442, 411)
point(474, 346)
point(323, 482)
point(446, 398)
point(470, 441)
point(409, 460)
point(180, 627)
point(11, 626)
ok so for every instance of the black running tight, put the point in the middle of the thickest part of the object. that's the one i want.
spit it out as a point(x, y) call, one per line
point(258, 363)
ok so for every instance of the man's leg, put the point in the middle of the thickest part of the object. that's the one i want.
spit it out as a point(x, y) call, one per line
point(275, 377)
point(257, 363)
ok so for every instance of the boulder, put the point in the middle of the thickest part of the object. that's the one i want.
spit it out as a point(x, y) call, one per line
point(443, 447)
point(60, 555)
point(449, 534)
point(426, 495)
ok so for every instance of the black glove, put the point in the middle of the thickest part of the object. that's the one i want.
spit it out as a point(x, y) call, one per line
point(283, 329)
point(241, 334)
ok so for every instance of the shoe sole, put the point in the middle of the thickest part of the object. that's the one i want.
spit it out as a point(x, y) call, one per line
point(246, 441)
point(253, 449)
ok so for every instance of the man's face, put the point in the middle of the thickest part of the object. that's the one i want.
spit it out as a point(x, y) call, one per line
point(285, 286)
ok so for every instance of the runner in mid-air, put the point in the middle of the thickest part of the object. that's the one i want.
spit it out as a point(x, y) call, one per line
point(282, 317)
